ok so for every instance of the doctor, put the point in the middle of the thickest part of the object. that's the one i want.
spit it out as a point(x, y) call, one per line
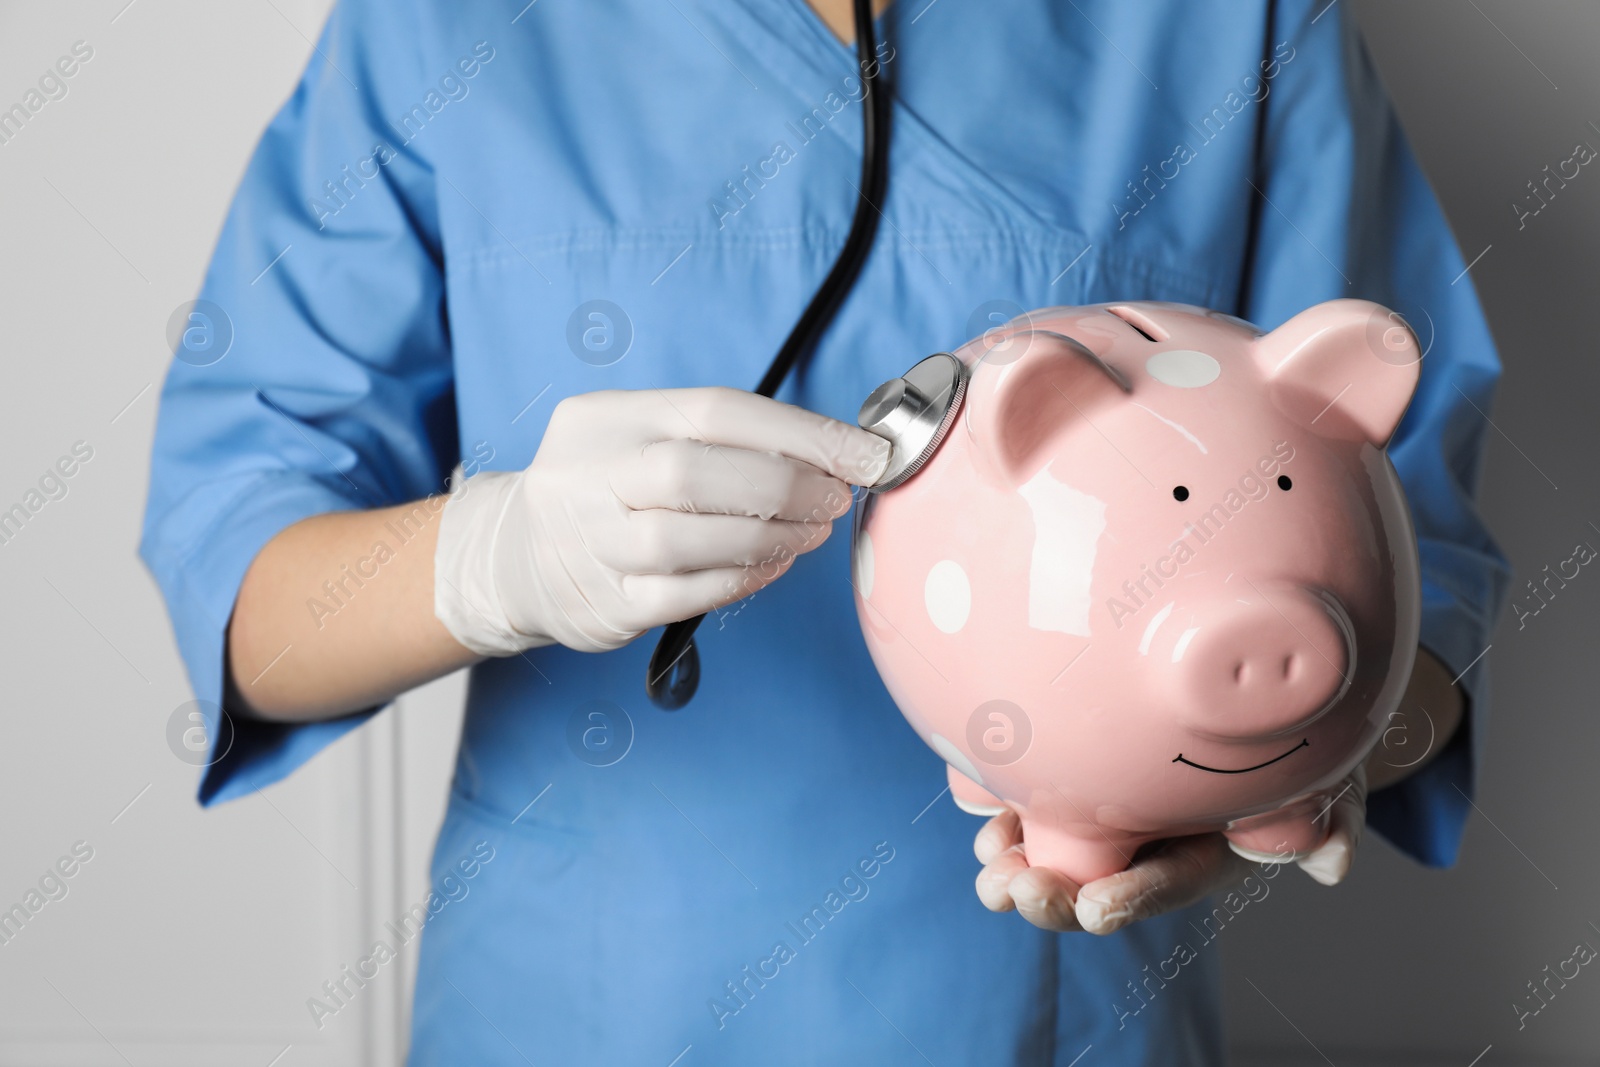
point(540, 241)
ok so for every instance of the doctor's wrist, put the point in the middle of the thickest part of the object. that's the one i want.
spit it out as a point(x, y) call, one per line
point(466, 595)
point(1429, 715)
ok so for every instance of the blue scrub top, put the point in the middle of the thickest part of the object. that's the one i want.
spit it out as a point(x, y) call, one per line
point(408, 268)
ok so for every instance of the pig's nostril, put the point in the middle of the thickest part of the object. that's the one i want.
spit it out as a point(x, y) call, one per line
point(1291, 667)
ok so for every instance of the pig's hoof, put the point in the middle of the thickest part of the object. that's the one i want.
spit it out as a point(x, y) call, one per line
point(971, 797)
point(1290, 833)
point(1288, 843)
point(988, 811)
point(1264, 857)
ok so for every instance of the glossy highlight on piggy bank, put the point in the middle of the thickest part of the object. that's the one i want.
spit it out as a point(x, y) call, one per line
point(1157, 578)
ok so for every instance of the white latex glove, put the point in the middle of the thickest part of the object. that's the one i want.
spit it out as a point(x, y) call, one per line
point(1173, 874)
point(640, 509)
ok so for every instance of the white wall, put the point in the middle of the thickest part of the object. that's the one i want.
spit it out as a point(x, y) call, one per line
point(189, 937)
point(196, 937)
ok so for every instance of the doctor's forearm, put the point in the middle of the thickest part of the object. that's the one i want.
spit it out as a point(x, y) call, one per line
point(336, 614)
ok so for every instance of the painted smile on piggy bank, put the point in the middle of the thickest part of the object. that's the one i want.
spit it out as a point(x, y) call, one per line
point(1239, 770)
point(1153, 529)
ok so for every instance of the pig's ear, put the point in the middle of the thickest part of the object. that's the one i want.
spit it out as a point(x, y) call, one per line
point(1044, 383)
point(1343, 369)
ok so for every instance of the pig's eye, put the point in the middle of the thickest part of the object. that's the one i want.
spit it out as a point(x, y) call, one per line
point(1181, 492)
point(1284, 483)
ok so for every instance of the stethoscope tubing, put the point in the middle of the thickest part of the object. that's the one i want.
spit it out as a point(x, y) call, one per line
point(673, 675)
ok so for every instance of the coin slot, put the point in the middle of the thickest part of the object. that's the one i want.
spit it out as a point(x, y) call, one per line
point(1141, 323)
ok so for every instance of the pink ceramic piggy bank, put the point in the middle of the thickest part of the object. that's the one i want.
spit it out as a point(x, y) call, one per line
point(1158, 579)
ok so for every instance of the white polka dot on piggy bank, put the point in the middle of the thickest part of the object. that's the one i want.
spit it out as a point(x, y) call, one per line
point(948, 596)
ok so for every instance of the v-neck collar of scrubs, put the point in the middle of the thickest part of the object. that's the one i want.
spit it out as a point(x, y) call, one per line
point(805, 56)
point(824, 32)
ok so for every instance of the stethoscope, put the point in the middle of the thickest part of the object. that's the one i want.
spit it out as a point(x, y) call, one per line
point(912, 411)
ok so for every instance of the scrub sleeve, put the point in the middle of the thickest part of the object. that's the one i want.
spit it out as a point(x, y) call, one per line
point(336, 391)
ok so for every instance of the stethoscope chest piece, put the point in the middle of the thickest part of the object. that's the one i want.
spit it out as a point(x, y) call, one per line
point(914, 412)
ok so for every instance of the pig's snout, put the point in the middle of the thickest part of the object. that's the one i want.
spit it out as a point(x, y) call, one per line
point(1264, 664)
